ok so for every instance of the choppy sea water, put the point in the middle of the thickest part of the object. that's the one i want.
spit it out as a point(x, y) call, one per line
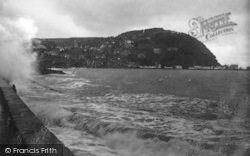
point(96, 117)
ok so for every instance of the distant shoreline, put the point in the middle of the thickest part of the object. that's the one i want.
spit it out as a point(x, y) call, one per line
point(60, 70)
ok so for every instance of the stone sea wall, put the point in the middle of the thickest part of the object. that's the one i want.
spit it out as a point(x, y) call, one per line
point(20, 126)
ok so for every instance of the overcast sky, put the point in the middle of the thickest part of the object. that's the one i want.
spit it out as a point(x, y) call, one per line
point(84, 18)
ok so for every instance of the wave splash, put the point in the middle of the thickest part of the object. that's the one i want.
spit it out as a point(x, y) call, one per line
point(17, 62)
point(129, 144)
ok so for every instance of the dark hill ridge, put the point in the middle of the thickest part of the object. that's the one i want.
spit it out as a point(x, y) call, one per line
point(150, 47)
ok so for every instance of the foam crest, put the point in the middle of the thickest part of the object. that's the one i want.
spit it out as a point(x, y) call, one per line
point(128, 144)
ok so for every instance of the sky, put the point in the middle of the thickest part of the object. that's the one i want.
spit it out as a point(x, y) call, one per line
point(103, 18)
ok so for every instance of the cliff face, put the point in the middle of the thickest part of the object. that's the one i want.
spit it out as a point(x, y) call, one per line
point(150, 47)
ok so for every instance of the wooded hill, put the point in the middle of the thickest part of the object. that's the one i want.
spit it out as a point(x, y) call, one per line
point(151, 47)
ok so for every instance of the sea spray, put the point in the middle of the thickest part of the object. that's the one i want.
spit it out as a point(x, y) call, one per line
point(17, 62)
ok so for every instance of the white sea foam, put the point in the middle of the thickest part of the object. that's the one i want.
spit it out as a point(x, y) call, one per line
point(128, 144)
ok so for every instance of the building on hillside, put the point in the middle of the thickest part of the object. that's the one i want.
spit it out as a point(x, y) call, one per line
point(157, 50)
point(178, 67)
point(76, 44)
point(234, 67)
point(174, 49)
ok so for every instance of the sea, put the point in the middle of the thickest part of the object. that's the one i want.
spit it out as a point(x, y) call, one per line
point(144, 112)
